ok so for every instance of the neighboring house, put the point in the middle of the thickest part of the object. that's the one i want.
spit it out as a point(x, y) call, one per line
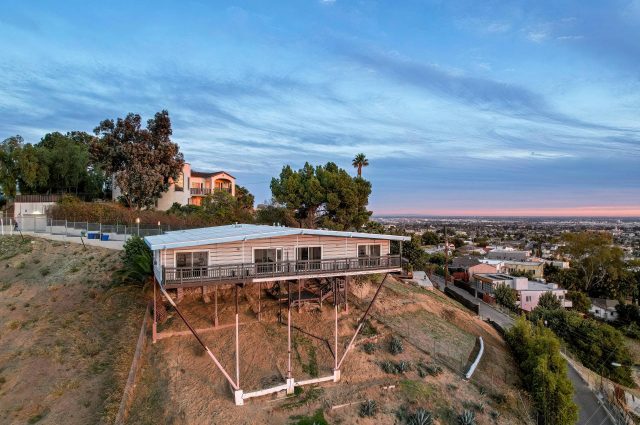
point(529, 292)
point(604, 309)
point(191, 187)
point(535, 267)
point(508, 255)
point(260, 253)
point(471, 249)
point(463, 268)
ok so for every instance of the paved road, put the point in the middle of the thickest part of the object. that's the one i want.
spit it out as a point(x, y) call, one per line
point(591, 411)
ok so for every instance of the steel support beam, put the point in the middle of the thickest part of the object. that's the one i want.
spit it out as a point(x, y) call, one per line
point(364, 317)
point(237, 342)
point(193, 331)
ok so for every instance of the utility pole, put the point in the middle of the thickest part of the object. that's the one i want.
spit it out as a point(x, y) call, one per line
point(446, 257)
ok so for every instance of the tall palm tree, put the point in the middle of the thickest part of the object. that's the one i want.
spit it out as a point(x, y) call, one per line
point(360, 161)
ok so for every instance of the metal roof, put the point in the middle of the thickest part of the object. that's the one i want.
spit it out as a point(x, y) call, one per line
point(240, 232)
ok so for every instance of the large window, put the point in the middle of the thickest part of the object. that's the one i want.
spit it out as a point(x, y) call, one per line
point(309, 258)
point(179, 183)
point(266, 259)
point(192, 264)
point(369, 255)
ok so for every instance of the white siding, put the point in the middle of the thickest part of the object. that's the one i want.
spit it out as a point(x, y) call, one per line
point(239, 252)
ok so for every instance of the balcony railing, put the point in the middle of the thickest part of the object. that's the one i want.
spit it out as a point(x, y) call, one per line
point(194, 276)
point(207, 190)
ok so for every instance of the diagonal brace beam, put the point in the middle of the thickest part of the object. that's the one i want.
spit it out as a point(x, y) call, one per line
point(361, 322)
point(193, 331)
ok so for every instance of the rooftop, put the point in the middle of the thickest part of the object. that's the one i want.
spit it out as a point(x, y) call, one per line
point(208, 173)
point(240, 232)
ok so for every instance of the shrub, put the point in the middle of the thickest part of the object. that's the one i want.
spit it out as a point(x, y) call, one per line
point(467, 418)
point(403, 366)
point(537, 352)
point(389, 367)
point(425, 369)
point(396, 346)
point(369, 347)
point(44, 271)
point(420, 417)
point(137, 262)
point(368, 408)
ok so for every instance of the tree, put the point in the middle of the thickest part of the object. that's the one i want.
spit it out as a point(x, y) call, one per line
point(412, 251)
point(549, 301)
point(599, 264)
point(10, 150)
point(581, 302)
point(430, 238)
point(506, 296)
point(360, 161)
point(221, 206)
point(544, 370)
point(142, 161)
point(324, 196)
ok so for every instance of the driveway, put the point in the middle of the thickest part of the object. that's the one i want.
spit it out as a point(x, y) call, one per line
point(590, 411)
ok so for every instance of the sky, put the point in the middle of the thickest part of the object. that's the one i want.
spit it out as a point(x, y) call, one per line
point(462, 107)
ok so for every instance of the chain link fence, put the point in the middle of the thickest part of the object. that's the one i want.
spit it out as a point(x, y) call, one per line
point(103, 231)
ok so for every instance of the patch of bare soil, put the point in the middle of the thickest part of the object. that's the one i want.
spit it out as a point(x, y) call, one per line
point(181, 385)
point(66, 338)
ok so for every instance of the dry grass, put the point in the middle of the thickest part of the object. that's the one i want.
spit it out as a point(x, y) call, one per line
point(66, 340)
point(182, 386)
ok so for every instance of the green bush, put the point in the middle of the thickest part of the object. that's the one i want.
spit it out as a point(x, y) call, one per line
point(544, 370)
point(596, 344)
point(396, 346)
point(137, 262)
point(369, 347)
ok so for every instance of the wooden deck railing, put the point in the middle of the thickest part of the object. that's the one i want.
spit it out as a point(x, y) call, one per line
point(178, 276)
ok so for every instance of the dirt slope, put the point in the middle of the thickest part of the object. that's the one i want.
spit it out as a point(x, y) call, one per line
point(66, 340)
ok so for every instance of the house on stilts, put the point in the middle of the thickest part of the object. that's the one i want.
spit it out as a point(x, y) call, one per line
point(297, 266)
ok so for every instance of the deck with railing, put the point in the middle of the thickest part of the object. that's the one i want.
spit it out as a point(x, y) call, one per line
point(178, 277)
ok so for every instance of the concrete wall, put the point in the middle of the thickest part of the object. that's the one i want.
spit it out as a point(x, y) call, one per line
point(29, 208)
point(239, 252)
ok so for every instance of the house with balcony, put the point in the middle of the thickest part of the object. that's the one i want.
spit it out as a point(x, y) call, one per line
point(246, 253)
point(191, 187)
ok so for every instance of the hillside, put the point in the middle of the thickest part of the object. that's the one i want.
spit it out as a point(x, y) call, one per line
point(66, 337)
point(180, 385)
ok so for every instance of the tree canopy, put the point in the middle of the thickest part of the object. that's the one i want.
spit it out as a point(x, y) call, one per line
point(59, 163)
point(142, 161)
point(324, 196)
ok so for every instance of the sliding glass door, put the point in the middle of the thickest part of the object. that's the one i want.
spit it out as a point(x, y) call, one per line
point(192, 264)
point(268, 260)
point(309, 258)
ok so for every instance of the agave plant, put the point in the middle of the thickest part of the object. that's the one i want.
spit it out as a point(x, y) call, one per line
point(467, 417)
point(389, 367)
point(369, 347)
point(396, 346)
point(420, 417)
point(403, 366)
point(368, 408)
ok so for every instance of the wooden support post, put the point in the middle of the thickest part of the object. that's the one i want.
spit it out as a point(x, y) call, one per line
point(289, 330)
point(259, 301)
point(154, 327)
point(215, 306)
point(346, 294)
point(237, 343)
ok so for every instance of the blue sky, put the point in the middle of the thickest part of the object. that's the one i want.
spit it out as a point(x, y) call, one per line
point(491, 107)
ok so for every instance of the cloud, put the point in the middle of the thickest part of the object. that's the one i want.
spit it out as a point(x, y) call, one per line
point(484, 93)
